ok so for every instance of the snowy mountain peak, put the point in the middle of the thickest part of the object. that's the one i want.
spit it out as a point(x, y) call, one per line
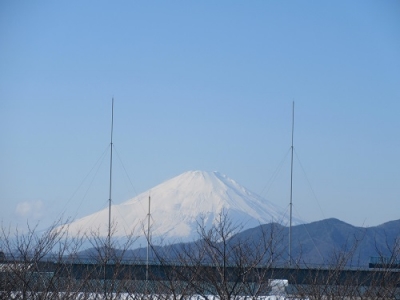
point(178, 204)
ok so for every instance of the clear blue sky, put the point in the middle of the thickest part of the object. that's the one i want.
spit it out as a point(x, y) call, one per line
point(204, 85)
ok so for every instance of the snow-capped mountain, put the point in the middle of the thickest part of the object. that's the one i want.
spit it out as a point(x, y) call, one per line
point(178, 204)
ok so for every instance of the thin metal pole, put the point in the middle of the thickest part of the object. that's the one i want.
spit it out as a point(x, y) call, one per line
point(148, 245)
point(291, 192)
point(110, 186)
point(108, 246)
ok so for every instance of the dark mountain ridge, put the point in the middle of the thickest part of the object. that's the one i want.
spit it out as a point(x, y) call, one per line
point(323, 242)
point(317, 244)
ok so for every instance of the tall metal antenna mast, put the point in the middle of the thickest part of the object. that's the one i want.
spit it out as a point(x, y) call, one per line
point(110, 186)
point(291, 192)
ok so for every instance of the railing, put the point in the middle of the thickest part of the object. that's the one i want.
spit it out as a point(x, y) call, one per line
point(384, 263)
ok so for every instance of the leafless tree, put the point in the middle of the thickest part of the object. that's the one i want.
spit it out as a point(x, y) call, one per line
point(335, 280)
point(221, 262)
point(109, 274)
point(31, 260)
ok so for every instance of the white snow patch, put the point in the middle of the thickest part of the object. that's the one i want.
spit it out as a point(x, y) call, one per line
point(177, 205)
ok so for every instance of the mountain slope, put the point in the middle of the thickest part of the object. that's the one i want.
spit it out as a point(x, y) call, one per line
point(177, 206)
point(322, 242)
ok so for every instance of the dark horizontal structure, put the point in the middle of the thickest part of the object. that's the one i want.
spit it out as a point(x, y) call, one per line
point(384, 263)
point(157, 272)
